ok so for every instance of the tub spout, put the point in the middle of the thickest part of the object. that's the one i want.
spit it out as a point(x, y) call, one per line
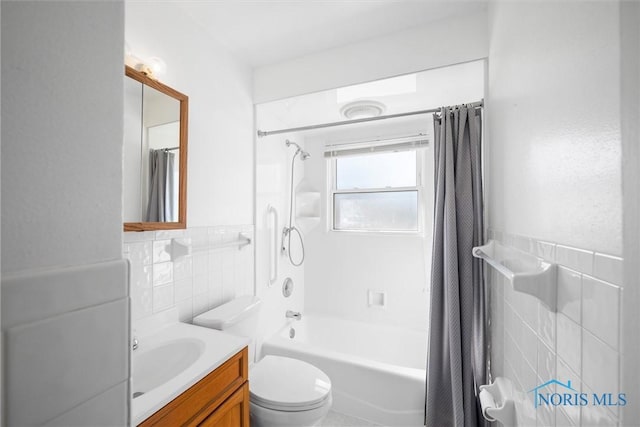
point(294, 315)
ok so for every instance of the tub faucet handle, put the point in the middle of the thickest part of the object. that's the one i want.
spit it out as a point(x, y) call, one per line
point(294, 315)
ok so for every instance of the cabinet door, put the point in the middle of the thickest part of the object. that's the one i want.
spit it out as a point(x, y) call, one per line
point(234, 412)
point(203, 398)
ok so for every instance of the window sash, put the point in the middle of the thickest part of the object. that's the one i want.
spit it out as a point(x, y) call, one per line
point(342, 150)
point(332, 185)
point(381, 229)
point(385, 159)
point(376, 190)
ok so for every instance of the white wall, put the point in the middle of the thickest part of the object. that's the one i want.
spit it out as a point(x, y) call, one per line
point(441, 43)
point(554, 127)
point(400, 53)
point(220, 169)
point(553, 138)
point(63, 154)
point(220, 163)
point(273, 177)
point(341, 267)
point(630, 88)
point(62, 272)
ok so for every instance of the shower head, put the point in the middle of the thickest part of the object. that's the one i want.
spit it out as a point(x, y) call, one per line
point(303, 154)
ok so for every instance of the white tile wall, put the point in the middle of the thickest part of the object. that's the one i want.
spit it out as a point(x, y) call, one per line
point(98, 411)
point(38, 354)
point(580, 342)
point(569, 345)
point(66, 339)
point(206, 278)
point(601, 302)
point(597, 415)
point(569, 293)
point(608, 268)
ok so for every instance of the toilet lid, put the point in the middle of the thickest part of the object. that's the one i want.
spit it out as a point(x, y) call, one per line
point(286, 384)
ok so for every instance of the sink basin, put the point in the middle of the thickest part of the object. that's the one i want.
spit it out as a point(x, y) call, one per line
point(155, 366)
point(172, 357)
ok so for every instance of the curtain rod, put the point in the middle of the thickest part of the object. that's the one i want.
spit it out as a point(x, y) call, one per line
point(367, 119)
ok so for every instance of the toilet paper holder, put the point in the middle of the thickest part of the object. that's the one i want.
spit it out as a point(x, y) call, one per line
point(496, 400)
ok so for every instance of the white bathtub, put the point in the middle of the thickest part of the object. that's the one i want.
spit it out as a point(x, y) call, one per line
point(377, 372)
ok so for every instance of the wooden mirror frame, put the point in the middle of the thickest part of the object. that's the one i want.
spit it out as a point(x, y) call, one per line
point(182, 184)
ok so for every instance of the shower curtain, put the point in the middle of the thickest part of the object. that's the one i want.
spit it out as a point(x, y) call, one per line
point(456, 364)
point(162, 206)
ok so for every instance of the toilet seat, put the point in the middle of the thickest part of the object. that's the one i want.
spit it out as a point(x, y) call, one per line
point(288, 385)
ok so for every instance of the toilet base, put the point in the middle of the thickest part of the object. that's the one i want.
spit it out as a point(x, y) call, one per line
point(264, 417)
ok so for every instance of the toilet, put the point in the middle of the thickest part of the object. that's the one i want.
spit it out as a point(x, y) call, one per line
point(284, 392)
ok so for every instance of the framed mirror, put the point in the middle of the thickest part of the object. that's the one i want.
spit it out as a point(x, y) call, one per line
point(155, 154)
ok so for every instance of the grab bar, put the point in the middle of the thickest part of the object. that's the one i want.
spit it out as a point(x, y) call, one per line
point(273, 246)
point(179, 248)
point(240, 243)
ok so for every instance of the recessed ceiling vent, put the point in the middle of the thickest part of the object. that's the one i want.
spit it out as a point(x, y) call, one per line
point(362, 109)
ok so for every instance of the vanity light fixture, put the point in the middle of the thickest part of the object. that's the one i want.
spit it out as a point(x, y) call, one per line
point(152, 67)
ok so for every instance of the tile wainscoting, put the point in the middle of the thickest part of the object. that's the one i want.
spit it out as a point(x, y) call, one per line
point(205, 278)
point(580, 342)
point(66, 340)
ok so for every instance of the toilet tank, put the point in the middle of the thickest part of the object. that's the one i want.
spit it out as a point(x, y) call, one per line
point(238, 317)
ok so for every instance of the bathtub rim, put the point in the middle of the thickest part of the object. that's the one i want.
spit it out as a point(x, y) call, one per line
point(278, 340)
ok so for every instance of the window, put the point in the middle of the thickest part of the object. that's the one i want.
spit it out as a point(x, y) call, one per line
point(375, 190)
point(386, 87)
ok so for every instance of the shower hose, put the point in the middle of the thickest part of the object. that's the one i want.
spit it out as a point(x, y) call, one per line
point(288, 231)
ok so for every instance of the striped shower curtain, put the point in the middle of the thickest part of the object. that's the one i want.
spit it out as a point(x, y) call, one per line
point(456, 364)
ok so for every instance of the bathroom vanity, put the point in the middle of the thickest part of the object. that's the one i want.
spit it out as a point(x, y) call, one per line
point(186, 375)
point(219, 399)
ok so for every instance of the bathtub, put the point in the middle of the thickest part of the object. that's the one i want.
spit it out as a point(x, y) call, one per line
point(377, 372)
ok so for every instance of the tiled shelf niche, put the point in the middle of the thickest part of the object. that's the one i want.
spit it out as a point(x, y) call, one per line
point(307, 209)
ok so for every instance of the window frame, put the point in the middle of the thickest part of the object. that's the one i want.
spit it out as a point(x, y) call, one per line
point(332, 190)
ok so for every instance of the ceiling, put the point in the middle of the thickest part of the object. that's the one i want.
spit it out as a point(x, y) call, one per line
point(261, 32)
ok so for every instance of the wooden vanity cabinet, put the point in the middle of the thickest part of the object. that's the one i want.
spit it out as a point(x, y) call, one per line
point(220, 399)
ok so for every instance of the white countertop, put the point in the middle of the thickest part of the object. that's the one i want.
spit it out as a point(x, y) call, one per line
point(218, 348)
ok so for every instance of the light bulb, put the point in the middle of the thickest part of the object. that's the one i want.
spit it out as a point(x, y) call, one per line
point(156, 65)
